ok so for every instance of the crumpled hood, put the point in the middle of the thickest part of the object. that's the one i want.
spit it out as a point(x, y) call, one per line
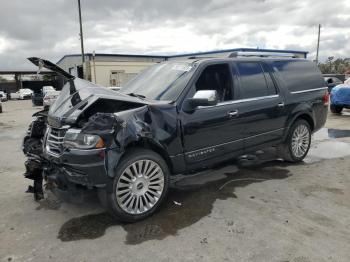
point(78, 95)
point(81, 99)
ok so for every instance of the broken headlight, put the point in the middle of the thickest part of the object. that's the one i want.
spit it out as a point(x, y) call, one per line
point(75, 139)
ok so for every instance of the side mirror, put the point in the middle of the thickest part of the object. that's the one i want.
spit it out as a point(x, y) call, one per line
point(201, 98)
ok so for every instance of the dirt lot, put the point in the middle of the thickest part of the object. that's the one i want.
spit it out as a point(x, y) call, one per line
point(270, 211)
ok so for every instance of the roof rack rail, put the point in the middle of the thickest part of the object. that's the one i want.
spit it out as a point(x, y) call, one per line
point(200, 57)
point(225, 53)
point(258, 53)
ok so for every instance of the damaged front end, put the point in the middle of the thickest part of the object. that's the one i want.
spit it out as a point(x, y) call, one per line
point(76, 158)
point(76, 145)
point(69, 159)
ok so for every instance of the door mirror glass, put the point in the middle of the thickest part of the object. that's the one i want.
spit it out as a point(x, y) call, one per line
point(201, 98)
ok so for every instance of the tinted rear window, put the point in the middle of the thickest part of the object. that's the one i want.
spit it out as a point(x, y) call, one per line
point(298, 75)
point(253, 83)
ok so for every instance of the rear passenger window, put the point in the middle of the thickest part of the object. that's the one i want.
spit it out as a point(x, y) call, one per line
point(253, 83)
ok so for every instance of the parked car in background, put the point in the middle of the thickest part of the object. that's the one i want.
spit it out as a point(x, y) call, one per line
point(24, 93)
point(45, 89)
point(3, 96)
point(37, 98)
point(175, 117)
point(332, 81)
point(340, 98)
point(50, 97)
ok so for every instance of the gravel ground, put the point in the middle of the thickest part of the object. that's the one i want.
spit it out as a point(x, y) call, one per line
point(269, 211)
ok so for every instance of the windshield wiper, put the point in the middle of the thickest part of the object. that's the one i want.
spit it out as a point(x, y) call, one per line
point(136, 95)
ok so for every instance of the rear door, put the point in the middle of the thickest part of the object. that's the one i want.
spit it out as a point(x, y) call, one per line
point(262, 105)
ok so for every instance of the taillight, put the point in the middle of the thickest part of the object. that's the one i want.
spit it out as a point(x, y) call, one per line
point(326, 98)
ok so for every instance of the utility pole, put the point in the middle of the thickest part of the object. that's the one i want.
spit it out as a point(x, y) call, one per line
point(318, 43)
point(81, 39)
point(93, 60)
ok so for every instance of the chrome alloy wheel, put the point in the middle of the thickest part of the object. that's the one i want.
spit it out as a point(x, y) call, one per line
point(300, 140)
point(140, 186)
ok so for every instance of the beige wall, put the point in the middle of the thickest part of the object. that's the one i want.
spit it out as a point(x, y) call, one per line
point(102, 70)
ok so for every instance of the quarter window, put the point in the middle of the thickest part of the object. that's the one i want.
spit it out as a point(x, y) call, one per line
point(253, 82)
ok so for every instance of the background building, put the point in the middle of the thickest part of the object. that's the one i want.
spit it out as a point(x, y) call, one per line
point(13, 80)
point(117, 69)
point(108, 69)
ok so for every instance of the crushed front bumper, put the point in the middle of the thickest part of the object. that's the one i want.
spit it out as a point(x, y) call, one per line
point(67, 169)
point(82, 167)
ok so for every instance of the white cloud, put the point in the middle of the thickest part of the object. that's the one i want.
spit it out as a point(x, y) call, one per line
point(50, 28)
point(3, 44)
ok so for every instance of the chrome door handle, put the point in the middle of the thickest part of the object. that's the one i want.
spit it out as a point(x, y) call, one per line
point(280, 104)
point(233, 113)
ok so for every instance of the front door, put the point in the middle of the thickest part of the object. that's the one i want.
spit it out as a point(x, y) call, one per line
point(212, 133)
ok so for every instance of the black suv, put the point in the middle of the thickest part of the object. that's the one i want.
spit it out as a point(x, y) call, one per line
point(174, 118)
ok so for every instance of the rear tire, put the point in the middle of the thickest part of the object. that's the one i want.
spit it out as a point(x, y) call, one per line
point(298, 142)
point(140, 185)
point(336, 109)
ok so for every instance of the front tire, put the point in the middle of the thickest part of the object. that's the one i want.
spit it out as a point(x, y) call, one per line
point(140, 185)
point(298, 142)
point(336, 109)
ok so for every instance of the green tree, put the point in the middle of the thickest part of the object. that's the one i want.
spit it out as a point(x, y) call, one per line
point(337, 66)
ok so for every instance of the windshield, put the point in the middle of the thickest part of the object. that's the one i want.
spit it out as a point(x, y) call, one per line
point(164, 81)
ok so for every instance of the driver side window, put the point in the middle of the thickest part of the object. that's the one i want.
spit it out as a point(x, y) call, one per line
point(217, 77)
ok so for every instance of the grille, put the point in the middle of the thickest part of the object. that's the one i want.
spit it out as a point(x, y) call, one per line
point(54, 141)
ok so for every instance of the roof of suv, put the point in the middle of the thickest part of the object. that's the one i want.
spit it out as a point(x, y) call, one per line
point(216, 59)
point(252, 58)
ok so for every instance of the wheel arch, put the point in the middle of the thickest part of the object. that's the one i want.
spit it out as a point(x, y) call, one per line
point(302, 115)
point(146, 143)
point(308, 119)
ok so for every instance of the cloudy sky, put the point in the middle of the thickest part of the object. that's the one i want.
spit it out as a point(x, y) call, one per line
point(50, 29)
